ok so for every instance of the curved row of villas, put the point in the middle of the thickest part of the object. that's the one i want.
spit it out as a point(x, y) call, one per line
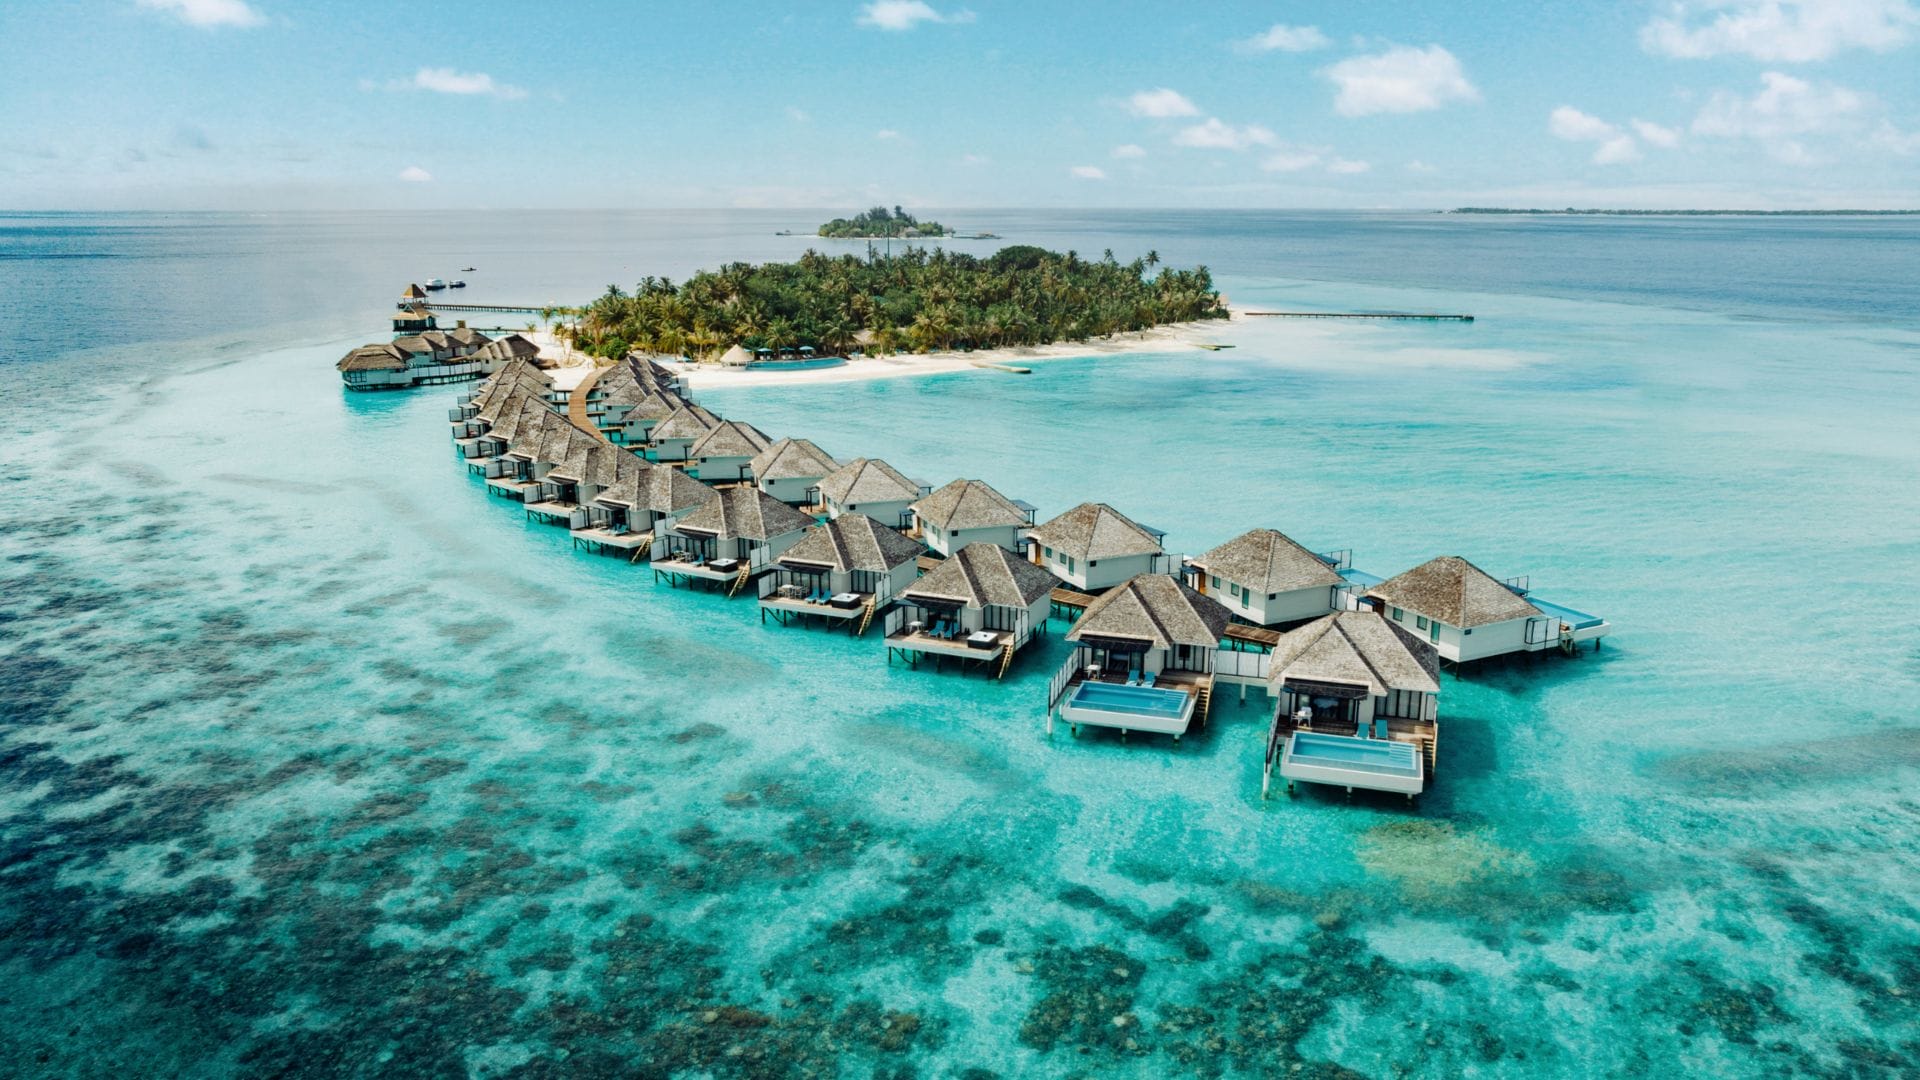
point(964, 575)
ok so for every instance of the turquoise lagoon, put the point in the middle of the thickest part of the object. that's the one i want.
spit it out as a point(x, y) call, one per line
point(319, 761)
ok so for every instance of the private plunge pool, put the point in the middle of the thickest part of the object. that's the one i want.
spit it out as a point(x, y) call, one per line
point(1349, 762)
point(1129, 708)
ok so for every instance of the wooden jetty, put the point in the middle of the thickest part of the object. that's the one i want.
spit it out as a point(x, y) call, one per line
point(516, 309)
point(1414, 315)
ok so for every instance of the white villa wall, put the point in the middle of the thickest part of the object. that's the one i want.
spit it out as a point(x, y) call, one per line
point(946, 543)
point(1100, 574)
point(719, 468)
point(789, 490)
point(1457, 645)
point(886, 513)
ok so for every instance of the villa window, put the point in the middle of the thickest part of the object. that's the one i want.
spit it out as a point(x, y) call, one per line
point(1048, 551)
point(1214, 580)
point(1234, 590)
point(1069, 564)
point(1420, 622)
point(1433, 632)
point(1398, 615)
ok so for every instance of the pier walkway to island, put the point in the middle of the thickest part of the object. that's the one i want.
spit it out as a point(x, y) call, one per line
point(1418, 316)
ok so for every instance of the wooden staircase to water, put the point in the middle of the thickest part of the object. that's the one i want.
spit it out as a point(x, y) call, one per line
point(746, 570)
point(866, 618)
point(1006, 660)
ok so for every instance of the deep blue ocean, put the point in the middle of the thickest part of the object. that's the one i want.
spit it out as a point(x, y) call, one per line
point(315, 760)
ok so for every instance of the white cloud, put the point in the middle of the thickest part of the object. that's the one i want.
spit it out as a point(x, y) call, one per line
point(1655, 135)
point(886, 134)
point(1785, 109)
point(1292, 159)
point(1129, 150)
point(1214, 135)
point(449, 81)
point(1904, 143)
point(1088, 172)
point(207, 12)
point(1616, 146)
point(414, 174)
point(1567, 122)
point(907, 14)
point(1345, 167)
point(1401, 80)
point(1792, 31)
point(1161, 103)
point(1283, 38)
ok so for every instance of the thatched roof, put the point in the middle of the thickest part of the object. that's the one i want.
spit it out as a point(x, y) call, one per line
point(1156, 609)
point(736, 357)
point(1454, 591)
point(468, 336)
point(1096, 531)
point(418, 315)
point(686, 422)
point(745, 513)
point(655, 405)
point(1356, 648)
point(968, 504)
point(514, 422)
point(374, 358)
point(732, 438)
point(982, 574)
point(663, 490)
point(414, 343)
point(853, 542)
point(414, 292)
point(867, 480)
point(792, 459)
point(1267, 561)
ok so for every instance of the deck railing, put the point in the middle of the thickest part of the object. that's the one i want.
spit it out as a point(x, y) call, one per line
point(1063, 677)
point(1239, 664)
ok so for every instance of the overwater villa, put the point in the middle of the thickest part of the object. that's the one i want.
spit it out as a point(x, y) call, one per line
point(538, 438)
point(671, 438)
point(789, 469)
point(1467, 614)
point(868, 486)
point(587, 466)
point(1094, 547)
point(981, 605)
point(840, 572)
point(969, 512)
point(638, 416)
point(414, 319)
point(1144, 660)
point(728, 540)
point(643, 501)
point(416, 359)
point(502, 351)
point(723, 455)
point(1356, 706)
point(1263, 578)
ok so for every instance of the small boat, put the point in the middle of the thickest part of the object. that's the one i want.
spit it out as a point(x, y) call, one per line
point(784, 232)
point(456, 284)
point(434, 283)
point(466, 269)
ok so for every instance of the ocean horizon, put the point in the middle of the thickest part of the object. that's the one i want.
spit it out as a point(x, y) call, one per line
point(321, 761)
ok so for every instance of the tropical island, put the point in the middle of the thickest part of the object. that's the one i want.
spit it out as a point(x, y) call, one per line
point(919, 301)
point(879, 223)
point(1576, 212)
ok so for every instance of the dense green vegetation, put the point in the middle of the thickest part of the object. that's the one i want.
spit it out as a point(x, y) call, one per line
point(879, 222)
point(919, 301)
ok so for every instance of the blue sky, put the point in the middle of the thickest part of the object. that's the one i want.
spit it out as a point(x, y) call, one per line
point(295, 104)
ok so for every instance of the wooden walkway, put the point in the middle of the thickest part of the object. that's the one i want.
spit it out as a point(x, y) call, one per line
point(577, 405)
point(1064, 597)
point(1417, 315)
point(1253, 635)
point(516, 309)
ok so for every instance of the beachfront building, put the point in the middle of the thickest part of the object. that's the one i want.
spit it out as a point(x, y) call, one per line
point(724, 454)
point(1263, 578)
point(1093, 547)
point(868, 486)
point(375, 367)
point(840, 572)
point(981, 605)
point(1468, 615)
point(727, 540)
point(671, 438)
point(417, 359)
point(498, 353)
point(969, 512)
point(789, 469)
point(1143, 659)
point(1357, 705)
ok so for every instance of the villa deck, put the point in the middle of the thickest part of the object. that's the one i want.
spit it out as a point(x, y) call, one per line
point(508, 487)
point(849, 608)
point(913, 644)
point(602, 540)
point(720, 573)
point(550, 512)
point(1423, 734)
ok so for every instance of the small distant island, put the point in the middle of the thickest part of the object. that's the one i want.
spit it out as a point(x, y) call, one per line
point(879, 223)
point(920, 301)
point(1679, 213)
